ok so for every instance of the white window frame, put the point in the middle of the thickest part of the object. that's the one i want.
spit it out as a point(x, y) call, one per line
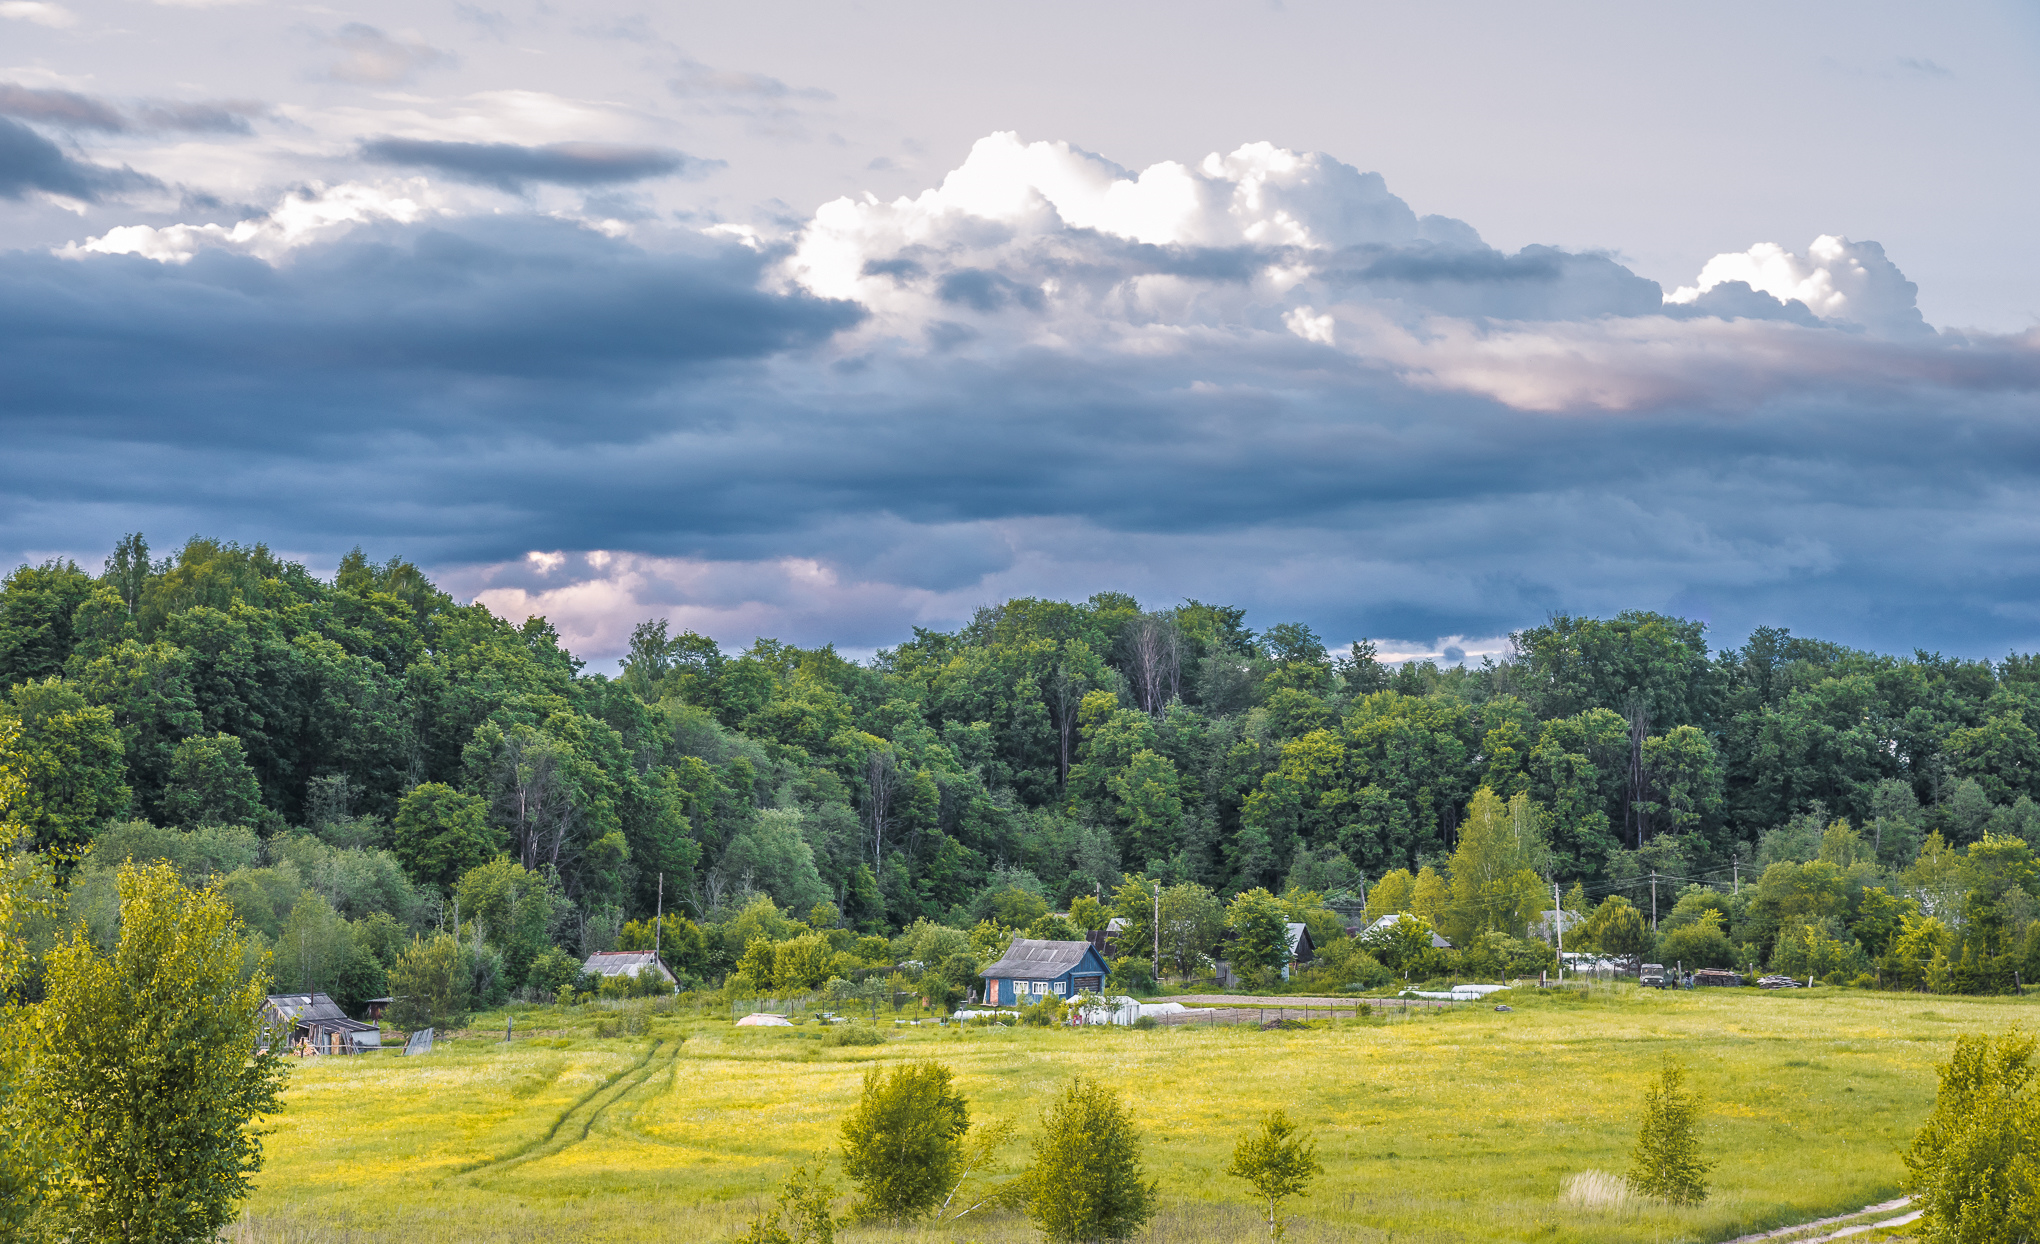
point(1059, 988)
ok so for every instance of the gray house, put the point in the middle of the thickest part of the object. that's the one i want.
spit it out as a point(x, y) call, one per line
point(1032, 970)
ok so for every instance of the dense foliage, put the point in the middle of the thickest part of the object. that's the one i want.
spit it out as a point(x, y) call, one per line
point(389, 784)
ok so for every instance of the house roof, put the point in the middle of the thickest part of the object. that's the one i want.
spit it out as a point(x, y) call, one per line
point(314, 1010)
point(1030, 960)
point(1299, 933)
point(621, 962)
point(1437, 942)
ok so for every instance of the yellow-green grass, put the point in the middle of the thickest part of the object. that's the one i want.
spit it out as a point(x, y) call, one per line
point(1460, 1125)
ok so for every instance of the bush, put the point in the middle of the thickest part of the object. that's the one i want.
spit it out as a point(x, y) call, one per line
point(1145, 1022)
point(1971, 1167)
point(903, 1144)
point(1346, 963)
point(851, 1034)
point(1133, 974)
point(1044, 1014)
point(1087, 1181)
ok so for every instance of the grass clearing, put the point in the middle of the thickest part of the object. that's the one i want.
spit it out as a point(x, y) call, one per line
point(1464, 1125)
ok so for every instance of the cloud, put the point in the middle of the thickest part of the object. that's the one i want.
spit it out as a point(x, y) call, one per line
point(369, 57)
point(1257, 377)
point(314, 213)
point(71, 110)
point(511, 167)
point(694, 80)
point(67, 109)
point(29, 162)
point(55, 16)
point(1836, 279)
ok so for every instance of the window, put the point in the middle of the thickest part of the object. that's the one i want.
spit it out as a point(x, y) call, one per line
point(1059, 988)
point(1040, 987)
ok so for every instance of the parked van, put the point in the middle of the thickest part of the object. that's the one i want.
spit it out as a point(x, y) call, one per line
point(1654, 976)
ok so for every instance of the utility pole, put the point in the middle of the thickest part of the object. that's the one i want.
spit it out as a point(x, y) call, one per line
point(659, 924)
point(1158, 932)
point(1735, 871)
point(1653, 902)
point(1558, 922)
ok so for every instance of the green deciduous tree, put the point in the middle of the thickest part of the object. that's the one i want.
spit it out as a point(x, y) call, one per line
point(1974, 1166)
point(1666, 1162)
point(1087, 1181)
point(431, 984)
point(69, 757)
point(146, 1072)
point(1260, 932)
point(441, 833)
point(903, 1144)
point(210, 783)
point(1495, 882)
point(1615, 928)
point(1278, 1162)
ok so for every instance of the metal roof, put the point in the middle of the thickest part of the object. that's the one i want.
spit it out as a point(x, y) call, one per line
point(623, 962)
point(1030, 960)
point(314, 1010)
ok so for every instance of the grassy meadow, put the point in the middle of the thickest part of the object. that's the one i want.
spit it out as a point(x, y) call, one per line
point(1461, 1125)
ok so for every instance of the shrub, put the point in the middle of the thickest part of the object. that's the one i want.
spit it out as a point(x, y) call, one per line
point(851, 1034)
point(1145, 1022)
point(1972, 1167)
point(903, 1144)
point(1133, 974)
point(799, 1214)
point(1278, 1163)
point(1087, 1181)
point(1666, 1162)
point(1044, 1014)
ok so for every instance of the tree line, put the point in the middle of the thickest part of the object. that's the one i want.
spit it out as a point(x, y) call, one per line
point(373, 769)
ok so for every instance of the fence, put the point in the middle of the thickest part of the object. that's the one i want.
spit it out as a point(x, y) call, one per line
point(1383, 1008)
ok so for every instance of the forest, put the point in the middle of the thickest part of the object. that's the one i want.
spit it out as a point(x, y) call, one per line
point(372, 771)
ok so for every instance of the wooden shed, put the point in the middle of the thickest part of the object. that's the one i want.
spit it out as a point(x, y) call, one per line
point(1032, 970)
point(317, 1025)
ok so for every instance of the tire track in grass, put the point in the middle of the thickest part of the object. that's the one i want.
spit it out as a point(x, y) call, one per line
point(614, 1087)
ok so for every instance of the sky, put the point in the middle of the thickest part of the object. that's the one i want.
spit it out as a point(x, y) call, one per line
point(826, 321)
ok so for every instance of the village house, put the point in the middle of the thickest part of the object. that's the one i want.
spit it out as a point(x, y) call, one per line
point(1032, 970)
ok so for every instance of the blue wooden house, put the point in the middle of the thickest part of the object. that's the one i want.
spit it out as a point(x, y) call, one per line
point(1033, 969)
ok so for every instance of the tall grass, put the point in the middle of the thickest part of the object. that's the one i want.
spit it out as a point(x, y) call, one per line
point(1466, 1126)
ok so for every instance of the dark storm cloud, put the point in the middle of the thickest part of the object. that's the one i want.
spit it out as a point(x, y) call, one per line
point(508, 166)
point(465, 393)
point(30, 162)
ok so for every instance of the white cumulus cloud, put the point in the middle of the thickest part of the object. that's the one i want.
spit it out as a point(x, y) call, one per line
point(1836, 279)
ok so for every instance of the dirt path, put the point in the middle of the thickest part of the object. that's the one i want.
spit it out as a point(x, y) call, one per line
point(1869, 1218)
